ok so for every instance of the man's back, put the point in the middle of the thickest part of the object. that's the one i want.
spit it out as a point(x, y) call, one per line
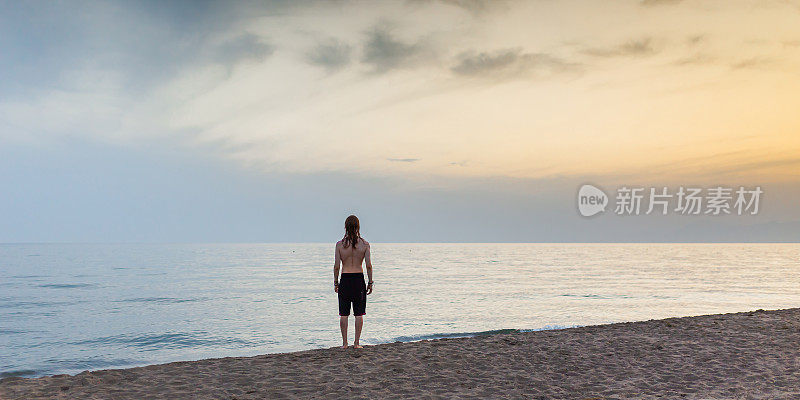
point(352, 258)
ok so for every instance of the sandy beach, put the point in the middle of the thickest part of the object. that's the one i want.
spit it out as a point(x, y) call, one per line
point(750, 355)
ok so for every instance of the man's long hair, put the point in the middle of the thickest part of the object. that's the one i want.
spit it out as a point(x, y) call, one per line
point(351, 231)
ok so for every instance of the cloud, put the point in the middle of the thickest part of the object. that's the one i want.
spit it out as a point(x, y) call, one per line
point(658, 2)
point(405, 160)
point(475, 7)
point(384, 52)
point(144, 44)
point(331, 55)
point(695, 39)
point(241, 48)
point(696, 59)
point(507, 62)
point(165, 80)
point(754, 62)
point(640, 47)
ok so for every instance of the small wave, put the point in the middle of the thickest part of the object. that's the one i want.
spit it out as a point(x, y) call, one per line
point(655, 296)
point(36, 304)
point(25, 314)
point(71, 366)
point(433, 336)
point(161, 300)
point(297, 300)
point(176, 340)
point(550, 328)
point(598, 296)
point(66, 285)
point(20, 372)
point(416, 338)
point(11, 331)
point(91, 363)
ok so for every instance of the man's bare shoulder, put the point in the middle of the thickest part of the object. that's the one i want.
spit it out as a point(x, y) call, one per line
point(366, 243)
point(338, 244)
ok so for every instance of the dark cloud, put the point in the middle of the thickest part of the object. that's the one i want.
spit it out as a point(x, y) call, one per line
point(658, 2)
point(696, 39)
point(754, 62)
point(696, 59)
point(144, 43)
point(507, 62)
point(331, 55)
point(384, 52)
point(475, 7)
point(245, 47)
point(641, 47)
point(153, 61)
point(405, 160)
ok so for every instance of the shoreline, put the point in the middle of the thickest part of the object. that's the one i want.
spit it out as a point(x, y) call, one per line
point(754, 354)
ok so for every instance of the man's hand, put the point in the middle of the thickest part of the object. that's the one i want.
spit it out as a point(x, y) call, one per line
point(336, 287)
point(369, 288)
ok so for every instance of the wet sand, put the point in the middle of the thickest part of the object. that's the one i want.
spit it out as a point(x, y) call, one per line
point(751, 355)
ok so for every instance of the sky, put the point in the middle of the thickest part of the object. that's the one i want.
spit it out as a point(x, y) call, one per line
point(442, 121)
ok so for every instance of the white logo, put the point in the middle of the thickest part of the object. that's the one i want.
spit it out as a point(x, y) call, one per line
point(591, 200)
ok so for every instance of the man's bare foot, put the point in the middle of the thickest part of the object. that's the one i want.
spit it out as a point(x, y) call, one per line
point(344, 346)
point(358, 346)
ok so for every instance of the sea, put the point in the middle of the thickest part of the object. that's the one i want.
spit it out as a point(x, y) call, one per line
point(67, 308)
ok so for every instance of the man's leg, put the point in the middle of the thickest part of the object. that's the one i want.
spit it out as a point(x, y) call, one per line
point(359, 325)
point(343, 326)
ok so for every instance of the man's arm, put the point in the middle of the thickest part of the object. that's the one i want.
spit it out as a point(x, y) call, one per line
point(368, 261)
point(336, 264)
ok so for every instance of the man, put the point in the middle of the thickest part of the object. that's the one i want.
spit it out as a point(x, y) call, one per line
point(351, 251)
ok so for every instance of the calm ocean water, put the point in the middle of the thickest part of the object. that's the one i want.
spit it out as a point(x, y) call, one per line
point(65, 308)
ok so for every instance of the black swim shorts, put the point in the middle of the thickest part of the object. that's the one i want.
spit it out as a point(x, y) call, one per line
point(352, 290)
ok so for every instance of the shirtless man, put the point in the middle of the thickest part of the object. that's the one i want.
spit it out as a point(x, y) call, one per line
point(350, 252)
